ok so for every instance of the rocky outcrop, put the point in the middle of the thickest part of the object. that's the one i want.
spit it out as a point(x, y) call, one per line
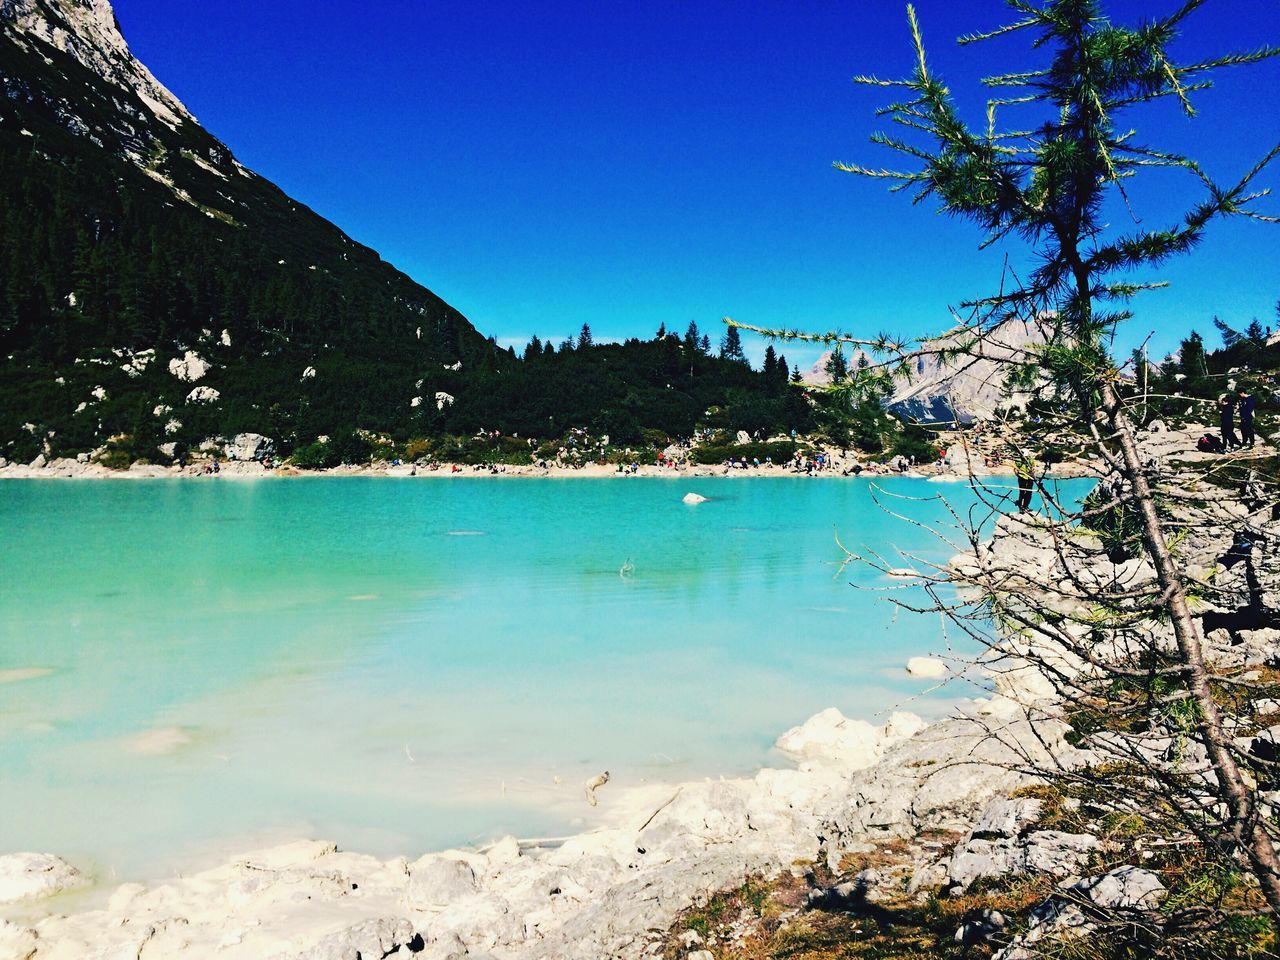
point(31, 876)
point(249, 446)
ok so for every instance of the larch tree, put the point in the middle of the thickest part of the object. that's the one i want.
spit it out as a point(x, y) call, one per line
point(1048, 183)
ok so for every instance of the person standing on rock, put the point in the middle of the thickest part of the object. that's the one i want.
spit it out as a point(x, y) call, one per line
point(1227, 412)
point(1247, 404)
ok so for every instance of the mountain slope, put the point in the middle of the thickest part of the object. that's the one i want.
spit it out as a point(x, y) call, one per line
point(143, 268)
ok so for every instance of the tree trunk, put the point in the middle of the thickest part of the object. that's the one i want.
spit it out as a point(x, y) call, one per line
point(1247, 828)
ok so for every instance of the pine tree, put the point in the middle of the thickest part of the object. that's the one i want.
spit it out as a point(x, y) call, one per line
point(731, 346)
point(705, 344)
point(534, 349)
point(770, 368)
point(692, 341)
point(837, 367)
point(584, 338)
point(1191, 358)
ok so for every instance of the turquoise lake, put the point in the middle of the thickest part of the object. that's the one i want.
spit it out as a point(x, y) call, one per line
point(401, 665)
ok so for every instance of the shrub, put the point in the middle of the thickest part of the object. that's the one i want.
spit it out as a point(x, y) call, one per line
point(781, 451)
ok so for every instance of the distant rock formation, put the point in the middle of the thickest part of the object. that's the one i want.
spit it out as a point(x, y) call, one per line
point(958, 390)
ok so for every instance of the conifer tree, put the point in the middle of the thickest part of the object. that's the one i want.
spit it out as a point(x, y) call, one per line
point(731, 346)
point(1047, 181)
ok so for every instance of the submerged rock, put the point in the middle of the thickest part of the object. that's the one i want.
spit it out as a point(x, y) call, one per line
point(693, 498)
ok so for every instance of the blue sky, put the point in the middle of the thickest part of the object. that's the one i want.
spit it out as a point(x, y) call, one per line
point(626, 164)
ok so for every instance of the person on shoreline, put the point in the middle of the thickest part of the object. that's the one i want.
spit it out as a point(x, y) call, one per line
point(1024, 468)
point(1227, 416)
point(1247, 405)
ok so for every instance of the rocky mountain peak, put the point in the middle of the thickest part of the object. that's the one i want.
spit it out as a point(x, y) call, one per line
point(87, 30)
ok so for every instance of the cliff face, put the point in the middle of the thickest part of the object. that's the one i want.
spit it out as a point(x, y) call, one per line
point(128, 230)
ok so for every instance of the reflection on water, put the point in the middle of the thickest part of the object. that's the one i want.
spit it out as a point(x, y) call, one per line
point(194, 665)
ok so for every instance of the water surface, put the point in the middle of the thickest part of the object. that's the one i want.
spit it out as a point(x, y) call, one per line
point(406, 664)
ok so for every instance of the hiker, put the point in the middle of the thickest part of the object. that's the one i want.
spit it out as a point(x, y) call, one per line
point(1247, 404)
point(1227, 410)
point(1024, 468)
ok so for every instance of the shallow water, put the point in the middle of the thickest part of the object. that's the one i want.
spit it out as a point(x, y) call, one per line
point(401, 665)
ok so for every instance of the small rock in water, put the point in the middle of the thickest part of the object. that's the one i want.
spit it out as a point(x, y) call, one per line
point(694, 498)
point(23, 673)
point(160, 741)
point(928, 667)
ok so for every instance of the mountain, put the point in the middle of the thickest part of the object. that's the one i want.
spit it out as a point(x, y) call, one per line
point(154, 290)
point(949, 389)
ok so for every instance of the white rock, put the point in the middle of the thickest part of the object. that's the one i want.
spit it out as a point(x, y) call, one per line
point(831, 738)
point(443, 400)
point(226, 338)
point(39, 462)
point(693, 498)
point(172, 426)
point(1125, 888)
point(436, 881)
point(17, 943)
point(930, 668)
point(30, 876)
point(189, 368)
point(309, 373)
point(249, 447)
point(415, 402)
point(203, 395)
point(99, 393)
point(161, 409)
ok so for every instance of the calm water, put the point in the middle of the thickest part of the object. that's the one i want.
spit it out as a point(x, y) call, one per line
point(401, 665)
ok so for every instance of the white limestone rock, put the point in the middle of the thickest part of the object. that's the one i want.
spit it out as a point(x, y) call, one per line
point(929, 668)
point(189, 367)
point(203, 395)
point(437, 881)
point(831, 738)
point(249, 447)
point(693, 498)
point(32, 876)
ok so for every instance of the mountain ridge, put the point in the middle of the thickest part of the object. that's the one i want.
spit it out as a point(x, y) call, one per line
point(126, 227)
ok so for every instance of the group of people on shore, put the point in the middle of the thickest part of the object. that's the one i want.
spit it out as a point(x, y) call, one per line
point(1228, 405)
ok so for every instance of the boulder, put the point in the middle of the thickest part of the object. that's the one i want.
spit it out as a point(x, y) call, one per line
point(436, 881)
point(1124, 888)
point(203, 395)
point(830, 738)
point(39, 462)
point(929, 668)
point(249, 446)
point(376, 938)
point(189, 368)
point(1007, 817)
point(17, 942)
point(30, 876)
point(693, 498)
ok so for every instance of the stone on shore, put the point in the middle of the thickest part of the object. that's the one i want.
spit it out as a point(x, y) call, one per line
point(831, 738)
point(31, 876)
point(249, 446)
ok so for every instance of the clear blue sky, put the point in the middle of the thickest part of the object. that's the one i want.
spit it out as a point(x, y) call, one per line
point(541, 165)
